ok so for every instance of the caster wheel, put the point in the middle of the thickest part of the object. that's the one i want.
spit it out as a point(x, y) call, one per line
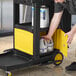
point(58, 58)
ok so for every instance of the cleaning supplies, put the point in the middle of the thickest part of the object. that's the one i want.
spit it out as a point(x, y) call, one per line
point(44, 16)
point(50, 45)
point(43, 46)
point(46, 46)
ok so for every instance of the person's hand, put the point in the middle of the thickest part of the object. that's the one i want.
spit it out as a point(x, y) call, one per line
point(59, 1)
point(47, 37)
point(70, 37)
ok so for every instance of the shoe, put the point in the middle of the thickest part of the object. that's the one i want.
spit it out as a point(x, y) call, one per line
point(71, 67)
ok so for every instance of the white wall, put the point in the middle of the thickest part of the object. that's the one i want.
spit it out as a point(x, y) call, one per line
point(73, 19)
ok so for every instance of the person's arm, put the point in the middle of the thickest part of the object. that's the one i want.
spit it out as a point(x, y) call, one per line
point(54, 23)
point(71, 34)
point(53, 26)
point(73, 30)
point(58, 11)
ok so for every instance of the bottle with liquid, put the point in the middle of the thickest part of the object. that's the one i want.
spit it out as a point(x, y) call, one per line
point(44, 16)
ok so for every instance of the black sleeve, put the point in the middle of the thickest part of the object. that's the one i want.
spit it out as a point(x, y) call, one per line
point(58, 7)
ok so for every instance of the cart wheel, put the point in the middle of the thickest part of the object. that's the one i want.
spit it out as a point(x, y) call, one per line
point(58, 58)
point(8, 73)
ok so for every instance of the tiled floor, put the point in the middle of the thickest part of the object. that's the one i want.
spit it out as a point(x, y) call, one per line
point(48, 70)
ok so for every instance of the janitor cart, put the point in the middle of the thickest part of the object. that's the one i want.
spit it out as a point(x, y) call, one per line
point(26, 40)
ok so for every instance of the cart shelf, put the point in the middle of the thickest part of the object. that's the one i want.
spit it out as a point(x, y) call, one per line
point(10, 61)
point(28, 27)
point(13, 60)
point(32, 1)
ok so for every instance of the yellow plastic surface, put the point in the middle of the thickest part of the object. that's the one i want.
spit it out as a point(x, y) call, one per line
point(60, 41)
point(24, 41)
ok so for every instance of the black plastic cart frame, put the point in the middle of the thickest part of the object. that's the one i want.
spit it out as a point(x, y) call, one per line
point(15, 59)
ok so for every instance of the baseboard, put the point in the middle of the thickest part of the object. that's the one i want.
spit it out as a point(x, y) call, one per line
point(3, 34)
